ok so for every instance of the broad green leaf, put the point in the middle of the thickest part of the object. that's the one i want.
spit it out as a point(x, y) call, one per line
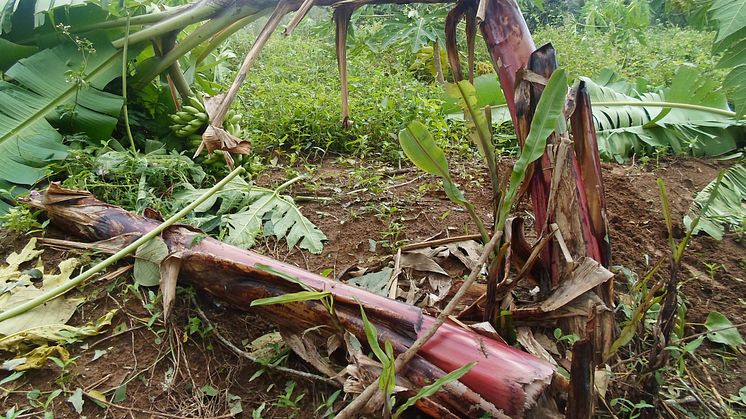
point(735, 83)
point(148, 258)
point(728, 207)
point(387, 381)
point(419, 146)
point(488, 93)
point(291, 298)
point(40, 89)
point(13, 52)
point(734, 56)
point(433, 388)
point(41, 9)
point(453, 192)
point(243, 227)
point(546, 117)
point(371, 334)
point(12, 377)
point(730, 15)
point(692, 346)
point(245, 211)
point(721, 330)
point(636, 127)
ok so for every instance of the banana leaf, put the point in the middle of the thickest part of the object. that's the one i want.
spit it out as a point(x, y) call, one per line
point(624, 130)
point(59, 86)
point(727, 209)
point(41, 9)
point(731, 41)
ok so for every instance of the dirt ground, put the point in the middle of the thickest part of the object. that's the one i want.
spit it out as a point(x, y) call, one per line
point(180, 369)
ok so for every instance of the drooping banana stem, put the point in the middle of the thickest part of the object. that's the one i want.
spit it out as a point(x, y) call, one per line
point(283, 7)
point(342, 17)
point(198, 13)
point(174, 72)
point(508, 41)
point(471, 36)
point(200, 35)
point(139, 20)
point(452, 20)
point(221, 36)
point(299, 15)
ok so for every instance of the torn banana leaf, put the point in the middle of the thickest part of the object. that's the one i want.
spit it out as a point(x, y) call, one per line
point(242, 211)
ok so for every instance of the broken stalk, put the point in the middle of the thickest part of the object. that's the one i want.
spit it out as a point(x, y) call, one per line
point(67, 286)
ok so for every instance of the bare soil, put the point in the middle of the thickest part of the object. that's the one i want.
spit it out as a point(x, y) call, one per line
point(366, 211)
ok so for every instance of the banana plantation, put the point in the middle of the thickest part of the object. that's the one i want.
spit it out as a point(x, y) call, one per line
point(382, 208)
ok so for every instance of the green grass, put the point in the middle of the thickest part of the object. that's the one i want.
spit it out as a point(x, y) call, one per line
point(291, 100)
point(656, 61)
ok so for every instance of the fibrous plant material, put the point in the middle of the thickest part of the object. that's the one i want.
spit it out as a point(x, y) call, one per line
point(567, 194)
point(342, 15)
point(505, 380)
point(582, 393)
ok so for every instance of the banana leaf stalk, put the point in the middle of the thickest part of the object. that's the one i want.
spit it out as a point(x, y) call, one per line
point(342, 15)
point(504, 381)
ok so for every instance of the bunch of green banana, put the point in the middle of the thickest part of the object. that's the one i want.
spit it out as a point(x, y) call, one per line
point(232, 124)
point(191, 119)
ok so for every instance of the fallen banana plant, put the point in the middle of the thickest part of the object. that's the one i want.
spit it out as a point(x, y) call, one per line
point(505, 381)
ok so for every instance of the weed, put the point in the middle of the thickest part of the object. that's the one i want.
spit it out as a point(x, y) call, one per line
point(326, 408)
point(288, 399)
point(570, 338)
point(65, 374)
point(257, 413)
point(394, 225)
point(22, 220)
point(713, 268)
point(14, 412)
point(631, 409)
point(128, 180)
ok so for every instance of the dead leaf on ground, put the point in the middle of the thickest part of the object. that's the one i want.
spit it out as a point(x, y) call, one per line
point(19, 289)
point(375, 282)
point(422, 263)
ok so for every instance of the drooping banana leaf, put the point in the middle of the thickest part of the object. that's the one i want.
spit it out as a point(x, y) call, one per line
point(59, 86)
point(637, 127)
point(13, 52)
point(728, 207)
point(731, 41)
